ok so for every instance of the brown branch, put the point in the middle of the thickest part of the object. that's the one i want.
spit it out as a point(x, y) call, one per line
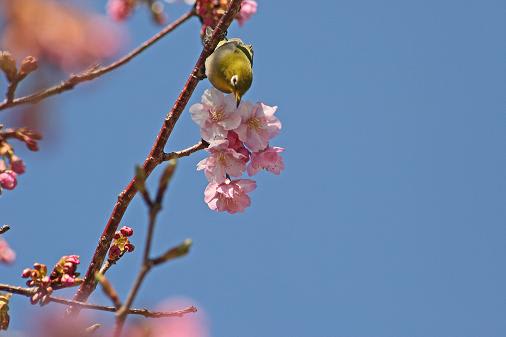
point(28, 292)
point(108, 289)
point(186, 152)
point(4, 228)
point(156, 154)
point(91, 73)
point(147, 263)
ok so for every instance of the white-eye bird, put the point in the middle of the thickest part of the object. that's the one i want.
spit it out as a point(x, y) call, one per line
point(230, 67)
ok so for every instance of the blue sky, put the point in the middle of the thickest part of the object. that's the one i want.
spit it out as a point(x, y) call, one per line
point(389, 219)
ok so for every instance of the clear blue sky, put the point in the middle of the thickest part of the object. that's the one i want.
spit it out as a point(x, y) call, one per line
point(390, 217)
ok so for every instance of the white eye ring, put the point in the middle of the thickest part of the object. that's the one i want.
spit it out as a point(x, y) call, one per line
point(234, 80)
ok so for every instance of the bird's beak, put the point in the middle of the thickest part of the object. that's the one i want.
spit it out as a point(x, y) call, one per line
point(237, 97)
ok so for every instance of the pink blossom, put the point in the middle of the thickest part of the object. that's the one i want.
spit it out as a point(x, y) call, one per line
point(268, 159)
point(118, 10)
point(189, 325)
point(230, 196)
point(235, 143)
point(215, 115)
point(258, 125)
point(8, 180)
point(222, 161)
point(248, 8)
point(18, 165)
point(7, 255)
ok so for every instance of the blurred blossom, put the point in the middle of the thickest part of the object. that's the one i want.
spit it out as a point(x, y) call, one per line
point(248, 9)
point(7, 255)
point(119, 10)
point(68, 37)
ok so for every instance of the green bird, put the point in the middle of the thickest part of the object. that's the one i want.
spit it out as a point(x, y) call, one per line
point(230, 67)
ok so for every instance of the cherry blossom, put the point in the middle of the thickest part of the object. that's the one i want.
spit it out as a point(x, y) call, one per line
point(215, 115)
point(258, 125)
point(230, 196)
point(268, 159)
point(222, 161)
point(235, 143)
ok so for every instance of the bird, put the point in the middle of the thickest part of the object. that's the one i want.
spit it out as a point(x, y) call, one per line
point(230, 67)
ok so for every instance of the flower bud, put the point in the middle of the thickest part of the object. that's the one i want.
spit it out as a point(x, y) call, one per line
point(8, 65)
point(114, 252)
point(126, 231)
point(32, 144)
point(129, 247)
point(8, 180)
point(67, 280)
point(17, 165)
point(26, 273)
point(28, 65)
point(35, 298)
point(45, 280)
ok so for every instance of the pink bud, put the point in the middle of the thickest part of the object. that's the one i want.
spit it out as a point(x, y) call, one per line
point(126, 231)
point(45, 279)
point(26, 273)
point(117, 235)
point(35, 298)
point(17, 165)
point(67, 280)
point(8, 180)
point(129, 247)
point(114, 252)
point(28, 65)
point(32, 144)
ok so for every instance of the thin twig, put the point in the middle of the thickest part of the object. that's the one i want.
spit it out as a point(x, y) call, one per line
point(4, 228)
point(108, 289)
point(186, 152)
point(147, 264)
point(28, 292)
point(156, 154)
point(90, 73)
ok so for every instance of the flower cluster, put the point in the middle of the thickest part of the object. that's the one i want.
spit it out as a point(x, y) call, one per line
point(63, 275)
point(7, 255)
point(238, 141)
point(11, 165)
point(121, 244)
point(211, 11)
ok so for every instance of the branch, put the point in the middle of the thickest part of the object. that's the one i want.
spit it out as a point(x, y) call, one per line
point(4, 228)
point(147, 262)
point(28, 292)
point(90, 73)
point(186, 152)
point(156, 154)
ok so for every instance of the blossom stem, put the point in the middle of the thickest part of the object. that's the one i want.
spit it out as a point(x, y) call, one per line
point(186, 152)
point(90, 73)
point(156, 154)
point(28, 292)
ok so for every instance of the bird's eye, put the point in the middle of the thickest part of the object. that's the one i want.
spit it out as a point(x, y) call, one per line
point(234, 80)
